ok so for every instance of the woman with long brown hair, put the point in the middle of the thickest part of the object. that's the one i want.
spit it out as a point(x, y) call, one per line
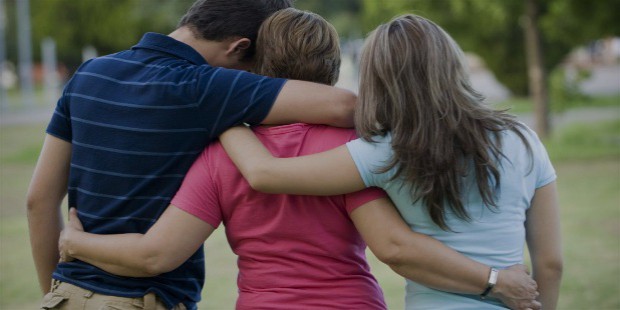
point(470, 176)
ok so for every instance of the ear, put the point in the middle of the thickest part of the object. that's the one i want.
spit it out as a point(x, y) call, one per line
point(238, 46)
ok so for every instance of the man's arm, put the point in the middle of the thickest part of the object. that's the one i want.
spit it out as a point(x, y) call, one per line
point(47, 189)
point(313, 103)
point(171, 241)
point(427, 261)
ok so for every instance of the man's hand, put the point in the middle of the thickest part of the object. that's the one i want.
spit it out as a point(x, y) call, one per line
point(516, 289)
point(74, 225)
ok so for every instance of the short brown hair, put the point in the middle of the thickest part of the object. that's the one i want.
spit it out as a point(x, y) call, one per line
point(218, 20)
point(298, 45)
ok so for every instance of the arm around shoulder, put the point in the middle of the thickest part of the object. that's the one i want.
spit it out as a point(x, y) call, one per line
point(312, 103)
point(331, 172)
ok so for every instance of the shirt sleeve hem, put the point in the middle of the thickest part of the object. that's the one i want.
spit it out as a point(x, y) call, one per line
point(261, 118)
point(353, 151)
point(57, 135)
point(546, 181)
point(178, 203)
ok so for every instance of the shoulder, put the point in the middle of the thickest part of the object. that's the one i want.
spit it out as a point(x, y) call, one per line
point(214, 154)
point(517, 138)
point(342, 134)
point(380, 145)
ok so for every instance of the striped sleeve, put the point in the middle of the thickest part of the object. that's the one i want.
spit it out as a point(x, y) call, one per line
point(60, 124)
point(230, 97)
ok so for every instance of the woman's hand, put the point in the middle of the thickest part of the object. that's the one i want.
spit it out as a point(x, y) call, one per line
point(516, 288)
point(68, 233)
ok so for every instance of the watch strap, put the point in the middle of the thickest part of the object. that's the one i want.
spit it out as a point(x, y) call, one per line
point(490, 282)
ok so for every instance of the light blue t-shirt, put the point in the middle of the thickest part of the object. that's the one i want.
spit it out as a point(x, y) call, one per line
point(495, 237)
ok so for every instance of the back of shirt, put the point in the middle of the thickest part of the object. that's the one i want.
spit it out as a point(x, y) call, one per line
point(492, 236)
point(295, 252)
point(136, 121)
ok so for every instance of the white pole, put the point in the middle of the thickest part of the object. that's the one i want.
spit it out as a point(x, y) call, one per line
point(50, 73)
point(24, 54)
point(3, 97)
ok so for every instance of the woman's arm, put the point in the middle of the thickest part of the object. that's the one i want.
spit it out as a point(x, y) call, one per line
point(171, 241)
point(427, 261)
point(328, 173)
point(544, 243)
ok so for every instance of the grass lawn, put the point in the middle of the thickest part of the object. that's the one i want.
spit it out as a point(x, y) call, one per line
point(587, 160)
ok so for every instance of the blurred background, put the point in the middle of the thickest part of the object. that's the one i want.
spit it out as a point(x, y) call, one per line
point(554, 63)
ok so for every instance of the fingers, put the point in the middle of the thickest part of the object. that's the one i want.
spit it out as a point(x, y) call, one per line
point(74, 220)
point(534, 305)
point(73, 214)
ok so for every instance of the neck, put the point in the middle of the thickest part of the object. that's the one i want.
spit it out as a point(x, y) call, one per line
point(205, 48)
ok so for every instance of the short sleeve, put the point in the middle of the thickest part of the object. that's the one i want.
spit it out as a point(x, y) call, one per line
point(358, 199)
point(197, 195)
point(231, 97)
point(60, 124)
point(370, 157)
point(545, 173)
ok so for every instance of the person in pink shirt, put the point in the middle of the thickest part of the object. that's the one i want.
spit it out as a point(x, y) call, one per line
point(294, 252)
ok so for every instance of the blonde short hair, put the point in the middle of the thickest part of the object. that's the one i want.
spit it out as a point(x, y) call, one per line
point(298, 45)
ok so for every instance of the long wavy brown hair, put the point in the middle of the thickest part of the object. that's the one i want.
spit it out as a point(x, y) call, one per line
point(414, 85)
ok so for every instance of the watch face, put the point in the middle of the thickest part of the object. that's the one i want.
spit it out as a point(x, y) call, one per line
point(493, 276)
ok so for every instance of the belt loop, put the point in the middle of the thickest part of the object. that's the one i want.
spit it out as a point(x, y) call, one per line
point(88, 294)
point(150, 301)
point(55, 284)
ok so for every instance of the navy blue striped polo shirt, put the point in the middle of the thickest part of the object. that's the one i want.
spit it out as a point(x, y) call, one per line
point(136, 120)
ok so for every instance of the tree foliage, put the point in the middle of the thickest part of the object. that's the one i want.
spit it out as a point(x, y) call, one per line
point(345, 15)
point(493, 28)
point(490, 28)
point(107, 25)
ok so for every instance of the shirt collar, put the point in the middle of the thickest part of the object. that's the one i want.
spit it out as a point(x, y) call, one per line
point(166, 44)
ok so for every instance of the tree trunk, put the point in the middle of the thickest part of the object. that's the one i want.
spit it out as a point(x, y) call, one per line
point(537, 75)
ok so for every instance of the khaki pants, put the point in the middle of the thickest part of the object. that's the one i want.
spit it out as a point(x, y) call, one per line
point(65, 296)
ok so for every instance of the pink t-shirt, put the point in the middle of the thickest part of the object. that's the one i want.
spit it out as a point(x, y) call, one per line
point(295, 252)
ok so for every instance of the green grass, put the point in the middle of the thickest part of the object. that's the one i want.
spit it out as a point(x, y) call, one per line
point(586, 142)
point(586, 158)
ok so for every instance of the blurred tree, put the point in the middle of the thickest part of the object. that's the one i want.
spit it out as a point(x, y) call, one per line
point(345, 15)
point(495, 30)
point(537, 74)
point(107, 25)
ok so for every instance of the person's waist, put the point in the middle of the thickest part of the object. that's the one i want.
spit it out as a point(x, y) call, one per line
point(328, 285)
point(173, 287)
point(325, 297)
point(413, 288)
